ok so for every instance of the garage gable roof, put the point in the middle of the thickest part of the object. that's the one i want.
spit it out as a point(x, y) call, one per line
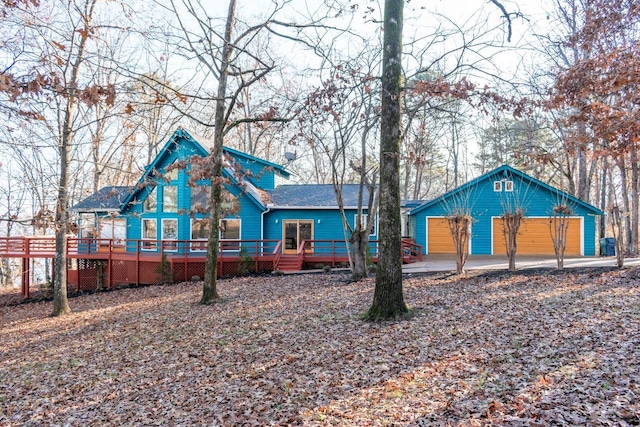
point(505, 172)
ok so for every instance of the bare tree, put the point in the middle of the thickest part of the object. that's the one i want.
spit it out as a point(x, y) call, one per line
point(558, 227)
point(460, 226)
point(511, 221)
point(339, 118)
point(60, 40)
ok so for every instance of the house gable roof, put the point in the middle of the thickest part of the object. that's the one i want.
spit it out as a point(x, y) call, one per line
point(202, 148)
point(207, 145)
point(500, 173)
point(107, 199)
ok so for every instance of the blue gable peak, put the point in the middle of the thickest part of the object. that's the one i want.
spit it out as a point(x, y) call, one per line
point(207, 145)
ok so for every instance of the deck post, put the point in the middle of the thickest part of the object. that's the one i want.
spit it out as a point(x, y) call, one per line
point(25, 277)
point(255, 257)
point(333, 254)
point(109, 263)
point(138, 247)
point(186, 263)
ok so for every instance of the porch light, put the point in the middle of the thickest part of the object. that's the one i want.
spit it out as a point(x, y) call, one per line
point(318, 221)
point(276, 221)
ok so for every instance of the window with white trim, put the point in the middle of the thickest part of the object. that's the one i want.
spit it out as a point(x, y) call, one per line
point(230, 233)
point(150, 204)
point(200, 196)
point(169, 233)
point(497, 186)
point(170, 198)
point(112, 228)
point(365, 217)
point(508, 186)
point(199, 234)
point(149, 232)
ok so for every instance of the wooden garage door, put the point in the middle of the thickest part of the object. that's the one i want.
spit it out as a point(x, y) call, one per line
point(439, 240)
point(534, 237)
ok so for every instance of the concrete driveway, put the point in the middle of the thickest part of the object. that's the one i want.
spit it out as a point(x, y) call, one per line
point(487, 262)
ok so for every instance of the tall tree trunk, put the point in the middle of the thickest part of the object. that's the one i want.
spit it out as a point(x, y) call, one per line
point(583, 176)
point(359, 241)
point(603, 196)
point(626, 205)
point(388, 298)
point(209, 288)
point(60, 302)
point(633, 226)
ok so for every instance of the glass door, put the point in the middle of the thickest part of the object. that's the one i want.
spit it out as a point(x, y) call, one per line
point(294, 232)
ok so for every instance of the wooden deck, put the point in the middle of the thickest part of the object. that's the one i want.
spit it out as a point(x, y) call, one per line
point(108, 263)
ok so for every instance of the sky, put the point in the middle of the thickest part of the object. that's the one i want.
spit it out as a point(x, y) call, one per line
point(422, 18)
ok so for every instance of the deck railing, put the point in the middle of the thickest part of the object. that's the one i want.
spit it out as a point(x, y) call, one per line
point(44, 247)
point(112, 262)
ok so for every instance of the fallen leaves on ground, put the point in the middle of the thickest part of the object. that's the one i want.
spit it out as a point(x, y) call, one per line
point(534, 348)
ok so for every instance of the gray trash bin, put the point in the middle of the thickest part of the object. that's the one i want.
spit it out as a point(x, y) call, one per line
point(603, 247)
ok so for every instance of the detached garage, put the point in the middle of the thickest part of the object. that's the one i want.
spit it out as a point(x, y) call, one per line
point(487, 198)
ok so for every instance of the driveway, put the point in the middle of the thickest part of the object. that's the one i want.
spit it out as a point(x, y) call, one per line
point(489, 262)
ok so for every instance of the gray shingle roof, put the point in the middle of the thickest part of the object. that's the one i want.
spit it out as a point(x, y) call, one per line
point(106, 199)
point(314, 195)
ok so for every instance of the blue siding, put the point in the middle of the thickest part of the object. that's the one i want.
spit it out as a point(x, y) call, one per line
point(250, 213)
point(327, 223)
point(258, 173)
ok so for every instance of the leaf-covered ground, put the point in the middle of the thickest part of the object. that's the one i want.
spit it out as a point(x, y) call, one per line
point(532, 348)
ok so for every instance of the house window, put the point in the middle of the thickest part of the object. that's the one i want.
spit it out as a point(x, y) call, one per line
point(149, 232)
point(365, 217)
point(199, 234)
point(151, 202)
point(170, 198)
point(497, 185)
point(229, 234)
point(230, 229)
point(169, 232)
point(200, 196)
point(112, 228)
point(171, 175)
point(508, 186)
point(229, 204)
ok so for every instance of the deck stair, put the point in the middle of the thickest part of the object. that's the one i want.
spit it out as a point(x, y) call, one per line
point(290, 263)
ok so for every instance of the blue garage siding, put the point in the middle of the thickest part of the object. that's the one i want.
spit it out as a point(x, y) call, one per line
point(483, 202)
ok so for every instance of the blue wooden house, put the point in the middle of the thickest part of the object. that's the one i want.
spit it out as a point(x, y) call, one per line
point(167, 207)
point(486, 198)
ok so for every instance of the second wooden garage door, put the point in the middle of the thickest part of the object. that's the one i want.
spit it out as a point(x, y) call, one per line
point(534, 237)
point(439, 240)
